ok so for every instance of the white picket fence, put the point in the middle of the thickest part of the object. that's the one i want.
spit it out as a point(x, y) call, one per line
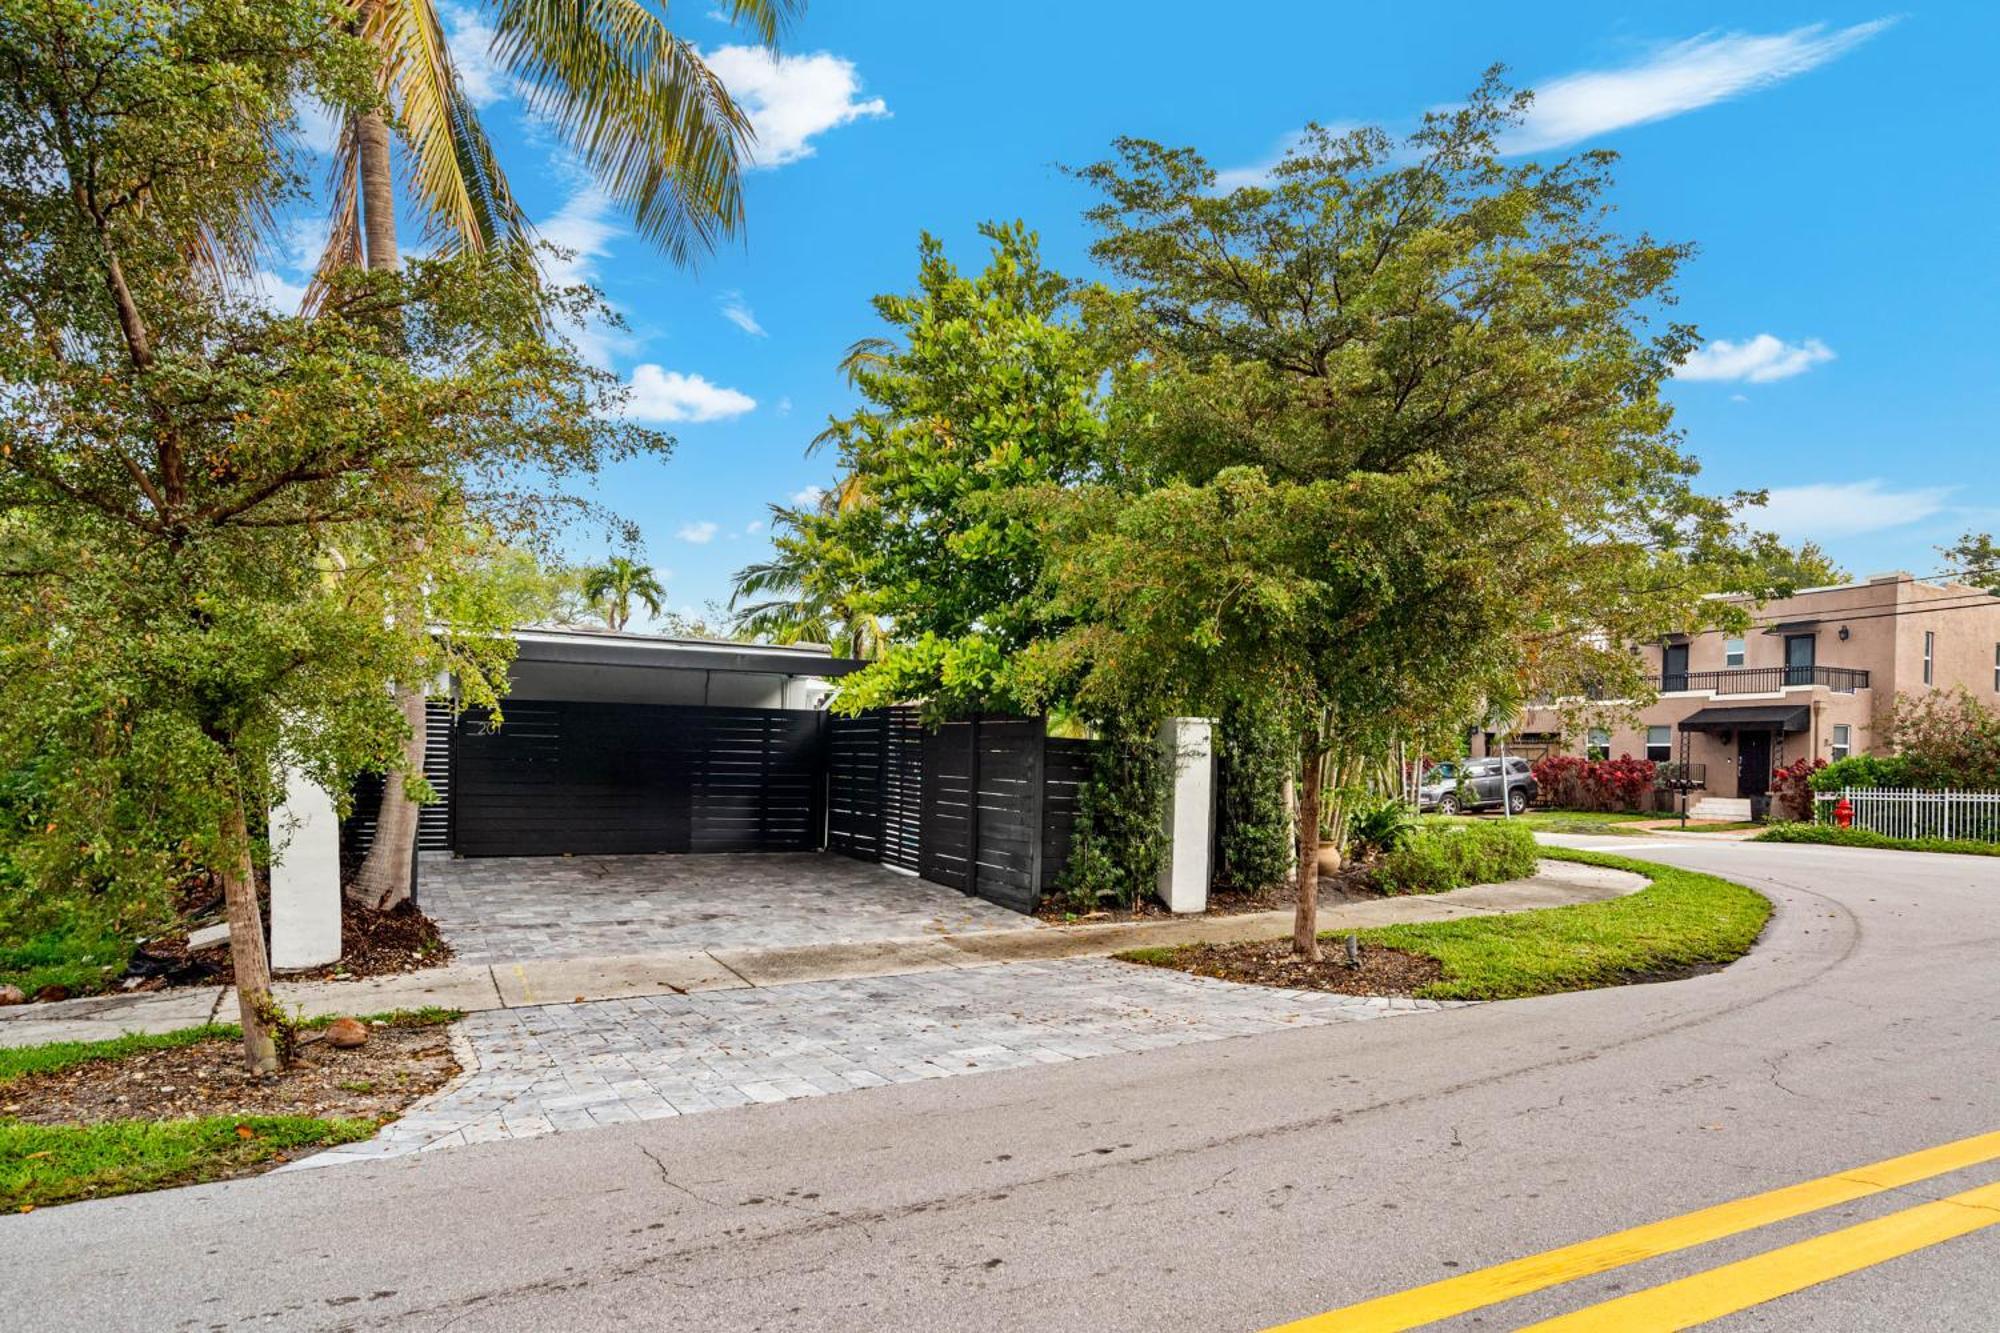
point(1904, 813)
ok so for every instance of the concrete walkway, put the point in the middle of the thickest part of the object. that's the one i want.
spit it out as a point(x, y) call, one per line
point(529, 983)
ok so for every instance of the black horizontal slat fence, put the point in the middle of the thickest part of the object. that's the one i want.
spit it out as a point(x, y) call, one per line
point(984, 805)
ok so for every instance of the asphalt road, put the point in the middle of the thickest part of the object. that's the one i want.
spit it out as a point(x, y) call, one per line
point(1226, 1185)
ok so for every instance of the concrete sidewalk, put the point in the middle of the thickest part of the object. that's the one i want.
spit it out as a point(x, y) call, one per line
point(516, 985)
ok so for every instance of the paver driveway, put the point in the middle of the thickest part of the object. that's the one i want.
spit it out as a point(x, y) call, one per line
point(575, 1066)
point(513, 909)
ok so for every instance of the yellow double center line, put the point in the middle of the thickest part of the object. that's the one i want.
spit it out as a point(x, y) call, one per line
point(1732, 1287)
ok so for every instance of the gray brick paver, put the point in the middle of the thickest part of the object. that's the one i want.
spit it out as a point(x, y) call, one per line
point(560, 1068)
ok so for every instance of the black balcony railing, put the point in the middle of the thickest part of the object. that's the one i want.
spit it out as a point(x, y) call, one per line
point(1764, 680)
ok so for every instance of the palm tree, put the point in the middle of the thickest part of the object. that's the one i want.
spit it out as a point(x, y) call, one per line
point(794, 608)
point(653, 124)
point(612, 585)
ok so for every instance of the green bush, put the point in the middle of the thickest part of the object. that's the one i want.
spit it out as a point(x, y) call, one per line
point(1115, 848)
point(1829, 835)
point(1433, 860)
point(1378, 827)
point(1254, 823)
point(1863, 770)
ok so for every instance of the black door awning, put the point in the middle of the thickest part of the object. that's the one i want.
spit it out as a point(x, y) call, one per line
point(1784, 717)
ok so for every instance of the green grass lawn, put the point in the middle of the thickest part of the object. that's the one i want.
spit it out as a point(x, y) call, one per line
point(1559, 821)
point(42, 1165)
point(83, 961)
point(1682, 920)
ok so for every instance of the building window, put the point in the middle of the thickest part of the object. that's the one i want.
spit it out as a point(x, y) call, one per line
point(1597, 743)
point(1930, 654)
point(1732, 651)
point(1659, 744)
point(1843, 740)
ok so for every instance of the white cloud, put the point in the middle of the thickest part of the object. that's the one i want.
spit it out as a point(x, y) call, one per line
point(738, 312)
point(701, 534)
point(808, 497)
point(790, 99)
point(470, 39)
point(668, 395)
point(1680, 77)
point(785, 406)
point(1822, 510)
point(1760, 360)
point(583, 228)
point(753, 527)
point(278, 293)
point(319, 128)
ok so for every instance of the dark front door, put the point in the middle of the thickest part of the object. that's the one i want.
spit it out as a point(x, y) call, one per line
point(1753, 763)
point(1799, 654)
point(1674, 668)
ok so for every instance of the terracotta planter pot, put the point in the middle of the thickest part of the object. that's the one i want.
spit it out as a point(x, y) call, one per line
point(1329, 861)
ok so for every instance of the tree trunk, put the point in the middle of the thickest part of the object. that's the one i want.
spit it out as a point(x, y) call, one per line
point(384, 877)
point(378, 194)
point(1305, 918)
point(246, 943)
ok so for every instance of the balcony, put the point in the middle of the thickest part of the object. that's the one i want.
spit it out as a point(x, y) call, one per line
point(1763, 680)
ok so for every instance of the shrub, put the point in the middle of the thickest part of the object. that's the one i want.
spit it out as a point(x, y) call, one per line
point(1571, 782)
point(1792, 789)
point(1254, 821)
point(1863, 770)
point(1115, 849)
point(1944, 739)
point(1829, 835)
point(1433, 860)
point(1380, 826)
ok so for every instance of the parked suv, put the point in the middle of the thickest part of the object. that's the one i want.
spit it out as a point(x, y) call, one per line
point(1475, 784)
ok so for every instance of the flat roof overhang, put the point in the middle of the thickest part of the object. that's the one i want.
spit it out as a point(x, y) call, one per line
point(1782, 717)
point(587, 648)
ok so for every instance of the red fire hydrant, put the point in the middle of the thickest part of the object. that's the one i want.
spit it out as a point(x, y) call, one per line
point(1843, 813)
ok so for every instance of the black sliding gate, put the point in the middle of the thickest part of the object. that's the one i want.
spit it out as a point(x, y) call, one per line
point(985, 806)
point(606, 779)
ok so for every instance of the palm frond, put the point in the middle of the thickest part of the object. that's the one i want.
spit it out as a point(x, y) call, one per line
point(343, 237)
point(450, 168)
point(651, 121)
point(768, 19)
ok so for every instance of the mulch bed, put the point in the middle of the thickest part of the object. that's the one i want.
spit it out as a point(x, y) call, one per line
point(1383, 971)
point(374, 1081)
point(374, 944)
point(1354, 883)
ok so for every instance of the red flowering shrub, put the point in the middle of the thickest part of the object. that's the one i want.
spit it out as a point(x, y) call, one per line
point(1572, 782)
point(1791, 789)
point(1559, 779)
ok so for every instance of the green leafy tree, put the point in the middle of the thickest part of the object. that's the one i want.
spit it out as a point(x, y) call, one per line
point(990, 387)
point(1390, 445)
point(213, 519)
point(613, 586)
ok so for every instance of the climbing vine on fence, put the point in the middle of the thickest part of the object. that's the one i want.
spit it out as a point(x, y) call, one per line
point(1115, 852)
point(1253, 759)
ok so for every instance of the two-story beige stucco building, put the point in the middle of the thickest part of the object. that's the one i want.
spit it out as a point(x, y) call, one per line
point(1805, 680)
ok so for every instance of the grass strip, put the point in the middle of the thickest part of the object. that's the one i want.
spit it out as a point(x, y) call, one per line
point(21, 1061)
point(1830, 835)
point(41, 1165)
point(1682, 920)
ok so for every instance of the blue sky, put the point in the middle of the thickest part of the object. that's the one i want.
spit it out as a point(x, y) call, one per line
point(1834, 163)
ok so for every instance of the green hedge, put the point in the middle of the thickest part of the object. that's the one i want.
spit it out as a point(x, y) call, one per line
point(1828, 835)
point(1436, 859)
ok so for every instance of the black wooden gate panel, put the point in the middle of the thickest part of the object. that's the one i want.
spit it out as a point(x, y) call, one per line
point(357, 831)
point(950, 762)
point(902, 789)
point(612, 779)
point(856, 764)
point(1007, 826)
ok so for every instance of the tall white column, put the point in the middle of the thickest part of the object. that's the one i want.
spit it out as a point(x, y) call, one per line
point(1187, 745)
point(305, 878)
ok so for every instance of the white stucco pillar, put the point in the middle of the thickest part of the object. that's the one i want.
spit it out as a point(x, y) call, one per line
point(305, 878)
point(1187, 745)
